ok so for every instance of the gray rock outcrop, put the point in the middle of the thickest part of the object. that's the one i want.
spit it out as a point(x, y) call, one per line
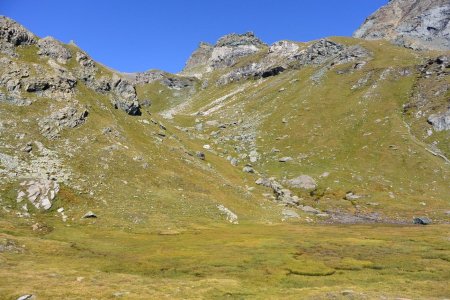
point(416, 24)
point(13, 34)
point(441, 121)
point(281, 194)
point(50, 47)
point(226, 52)
point(198, 58)
point(68, 117)
point(125, 97)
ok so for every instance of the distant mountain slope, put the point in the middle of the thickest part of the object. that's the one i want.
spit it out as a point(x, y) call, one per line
point(417, 24)
point(333, 130)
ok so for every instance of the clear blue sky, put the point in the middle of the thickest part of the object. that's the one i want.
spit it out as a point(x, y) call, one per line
point(137, 35)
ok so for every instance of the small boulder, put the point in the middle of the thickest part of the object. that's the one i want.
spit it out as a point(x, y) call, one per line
point(248, 169)
point(422, 221)
point(27, 297)
point(89, 215)
point(285, 159)
point(200, 155)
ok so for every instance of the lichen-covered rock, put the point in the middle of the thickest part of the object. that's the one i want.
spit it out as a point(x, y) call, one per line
point(67, 117)
point(417, 24)
point(50, 47)
point(13, 34)
point(39, 192)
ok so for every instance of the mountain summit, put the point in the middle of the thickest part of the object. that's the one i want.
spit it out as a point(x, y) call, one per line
point(417, 24)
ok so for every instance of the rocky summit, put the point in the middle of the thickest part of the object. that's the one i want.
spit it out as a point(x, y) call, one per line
point(292, 170)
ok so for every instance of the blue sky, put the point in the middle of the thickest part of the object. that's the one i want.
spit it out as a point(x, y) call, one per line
point(140, 35)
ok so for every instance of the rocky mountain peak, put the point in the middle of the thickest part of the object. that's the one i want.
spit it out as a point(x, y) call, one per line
point(235, 40)
point(416, 24)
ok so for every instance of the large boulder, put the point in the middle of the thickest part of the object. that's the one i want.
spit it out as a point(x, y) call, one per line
point(441, 121)
point(417, 24)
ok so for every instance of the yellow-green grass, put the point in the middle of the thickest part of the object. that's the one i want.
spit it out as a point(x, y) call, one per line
point(227, 261)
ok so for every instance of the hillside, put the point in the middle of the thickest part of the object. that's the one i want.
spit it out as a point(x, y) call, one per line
point(251, 142)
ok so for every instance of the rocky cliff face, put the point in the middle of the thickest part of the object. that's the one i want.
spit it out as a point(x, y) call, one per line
point(416, 24)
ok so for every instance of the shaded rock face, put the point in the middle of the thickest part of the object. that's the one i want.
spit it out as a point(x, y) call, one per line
point(40, 193)
point(125, 97)
point(416, 24)
point(13, 34)
point(50, 47)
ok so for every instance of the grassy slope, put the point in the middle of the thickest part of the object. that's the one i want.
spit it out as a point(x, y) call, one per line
point(357, 135)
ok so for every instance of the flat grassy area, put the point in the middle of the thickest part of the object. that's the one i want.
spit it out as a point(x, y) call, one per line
point(86, 261)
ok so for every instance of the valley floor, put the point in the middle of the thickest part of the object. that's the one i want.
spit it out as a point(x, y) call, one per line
point(246, 261)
